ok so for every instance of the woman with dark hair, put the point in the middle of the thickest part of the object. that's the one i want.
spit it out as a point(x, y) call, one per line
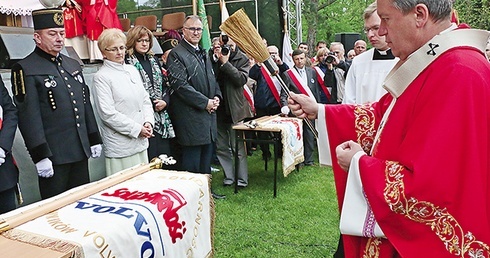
point(139, 44)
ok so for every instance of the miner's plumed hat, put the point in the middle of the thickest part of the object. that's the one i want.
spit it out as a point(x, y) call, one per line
point(169, 44)
point(48, 18)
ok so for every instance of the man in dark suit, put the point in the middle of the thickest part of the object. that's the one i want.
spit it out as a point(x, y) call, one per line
point(302, 79)
point(9, 175)
point(195, 99)
point(56, 118)
point(267, 93)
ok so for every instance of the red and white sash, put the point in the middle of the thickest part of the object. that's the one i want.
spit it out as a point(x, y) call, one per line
point(296, 78)
point(320, 75)
point(273, 84)
point(249, 96)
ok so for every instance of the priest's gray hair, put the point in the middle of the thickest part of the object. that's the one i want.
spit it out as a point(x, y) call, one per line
point(438, 9)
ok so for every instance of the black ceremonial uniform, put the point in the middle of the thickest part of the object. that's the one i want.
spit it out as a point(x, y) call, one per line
point(9, 174)
point(56, 118)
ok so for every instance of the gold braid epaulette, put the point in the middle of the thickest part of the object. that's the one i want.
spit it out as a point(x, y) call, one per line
point(20, 77)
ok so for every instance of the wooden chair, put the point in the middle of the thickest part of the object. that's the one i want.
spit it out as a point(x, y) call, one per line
point(125, 23)
point(210, 21)
point(173, 21)
point(149, 21)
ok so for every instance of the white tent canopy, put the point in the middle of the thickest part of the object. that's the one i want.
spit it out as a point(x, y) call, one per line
point(19, 7)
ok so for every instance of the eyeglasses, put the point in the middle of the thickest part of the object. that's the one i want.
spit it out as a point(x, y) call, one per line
point(374, 29)
point(115, 49)
point(194, 29)
point(143, 40)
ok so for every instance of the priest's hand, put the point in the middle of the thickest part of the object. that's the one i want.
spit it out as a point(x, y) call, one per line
point(345, 151)
point(302, 106)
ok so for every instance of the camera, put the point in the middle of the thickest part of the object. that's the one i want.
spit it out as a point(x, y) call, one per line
point(225, 49)
point(330, 58)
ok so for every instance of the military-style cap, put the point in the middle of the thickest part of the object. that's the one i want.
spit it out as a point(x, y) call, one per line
point(169, 44)
point(47, 18)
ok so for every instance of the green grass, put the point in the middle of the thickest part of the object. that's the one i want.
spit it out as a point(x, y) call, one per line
point(302, 221)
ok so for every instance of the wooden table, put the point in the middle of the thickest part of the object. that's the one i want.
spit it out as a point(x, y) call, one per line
point(275, 140)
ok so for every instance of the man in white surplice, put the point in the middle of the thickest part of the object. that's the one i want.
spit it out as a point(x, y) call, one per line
point(364, 81)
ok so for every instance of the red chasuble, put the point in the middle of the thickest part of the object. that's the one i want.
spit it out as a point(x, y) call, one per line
point(73, 23)
point(99, 15)
point(427, 180)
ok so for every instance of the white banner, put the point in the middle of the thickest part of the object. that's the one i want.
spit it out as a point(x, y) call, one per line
point(157, 214)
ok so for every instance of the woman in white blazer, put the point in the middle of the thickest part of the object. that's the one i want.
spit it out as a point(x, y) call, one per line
point(123, 105)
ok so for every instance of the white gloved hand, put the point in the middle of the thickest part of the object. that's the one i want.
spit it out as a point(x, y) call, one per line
point(2, 156)
point(45, 168)
point(96, 150)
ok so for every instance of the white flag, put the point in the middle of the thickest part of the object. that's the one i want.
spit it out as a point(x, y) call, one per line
point(224, 11)
point(287, 50)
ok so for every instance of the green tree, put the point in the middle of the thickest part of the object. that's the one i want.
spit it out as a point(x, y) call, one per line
point(475, 13)
point(126, 6)
point(322, 19)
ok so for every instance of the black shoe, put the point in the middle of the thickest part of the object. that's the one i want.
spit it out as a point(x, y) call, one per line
point(218, 196)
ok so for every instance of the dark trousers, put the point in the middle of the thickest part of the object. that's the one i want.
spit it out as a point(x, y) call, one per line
point(158, 146)
point(176, 151)
point(308, 143)
point(339, 253)
point(197, 158)
point(7, 200)
point(250, 135)
point(66, 176)
point(266, 135)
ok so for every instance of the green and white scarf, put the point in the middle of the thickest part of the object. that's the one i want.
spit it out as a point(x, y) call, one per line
point(157, 90)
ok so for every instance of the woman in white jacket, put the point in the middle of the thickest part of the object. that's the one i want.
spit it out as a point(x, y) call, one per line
point(123, 106)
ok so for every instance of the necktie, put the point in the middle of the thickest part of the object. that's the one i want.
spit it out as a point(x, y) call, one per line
point(200, 53)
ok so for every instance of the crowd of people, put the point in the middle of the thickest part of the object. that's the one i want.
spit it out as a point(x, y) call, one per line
point(406, 167)
point(419, 156)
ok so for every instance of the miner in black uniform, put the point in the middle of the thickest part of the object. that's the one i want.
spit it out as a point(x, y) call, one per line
point(56, 118)
point(9, 175)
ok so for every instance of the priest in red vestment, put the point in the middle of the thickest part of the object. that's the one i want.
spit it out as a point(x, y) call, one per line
point(412, 171)
point(97, 15)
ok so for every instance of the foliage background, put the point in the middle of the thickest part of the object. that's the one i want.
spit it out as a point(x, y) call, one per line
point(476, 13)
point(321, 19)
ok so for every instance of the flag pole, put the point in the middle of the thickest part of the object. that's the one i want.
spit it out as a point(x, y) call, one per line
point(194, 7)
point(285, 15)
